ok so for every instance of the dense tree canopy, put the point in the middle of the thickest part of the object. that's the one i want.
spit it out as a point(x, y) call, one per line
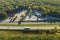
point(50, 7)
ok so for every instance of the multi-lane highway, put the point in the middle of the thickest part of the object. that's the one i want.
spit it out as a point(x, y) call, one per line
point(22, 28)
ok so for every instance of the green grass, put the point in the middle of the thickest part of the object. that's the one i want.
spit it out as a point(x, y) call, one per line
point(30, 25)
point(14, 35)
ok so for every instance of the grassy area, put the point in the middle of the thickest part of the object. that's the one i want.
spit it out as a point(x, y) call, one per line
point(30, 25)
point(16, 35)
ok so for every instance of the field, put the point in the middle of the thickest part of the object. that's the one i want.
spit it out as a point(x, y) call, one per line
point(31, 25)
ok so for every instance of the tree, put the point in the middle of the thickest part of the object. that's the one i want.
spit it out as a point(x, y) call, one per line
point(3, 15)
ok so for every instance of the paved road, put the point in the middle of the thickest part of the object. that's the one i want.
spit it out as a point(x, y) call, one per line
point(22, 28)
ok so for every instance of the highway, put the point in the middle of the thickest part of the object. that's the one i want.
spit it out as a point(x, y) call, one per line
point(22, 28)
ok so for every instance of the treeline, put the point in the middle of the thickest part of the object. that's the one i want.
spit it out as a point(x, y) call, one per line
point(50, 7)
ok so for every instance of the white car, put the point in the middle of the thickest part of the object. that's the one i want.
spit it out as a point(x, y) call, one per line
point(26, 28)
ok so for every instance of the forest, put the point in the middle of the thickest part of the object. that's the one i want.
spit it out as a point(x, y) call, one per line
point(48, 7)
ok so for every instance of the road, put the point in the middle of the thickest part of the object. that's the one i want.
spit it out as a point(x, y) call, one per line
point(22, 28)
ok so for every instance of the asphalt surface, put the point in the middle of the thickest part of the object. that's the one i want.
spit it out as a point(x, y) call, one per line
point(22, 28)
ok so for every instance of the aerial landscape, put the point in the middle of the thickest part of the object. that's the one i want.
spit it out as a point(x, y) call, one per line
point(29, 19)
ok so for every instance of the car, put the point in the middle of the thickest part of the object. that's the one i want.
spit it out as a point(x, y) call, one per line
point(27, 28)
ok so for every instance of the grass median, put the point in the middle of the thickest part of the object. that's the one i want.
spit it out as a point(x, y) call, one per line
point(30, 25)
